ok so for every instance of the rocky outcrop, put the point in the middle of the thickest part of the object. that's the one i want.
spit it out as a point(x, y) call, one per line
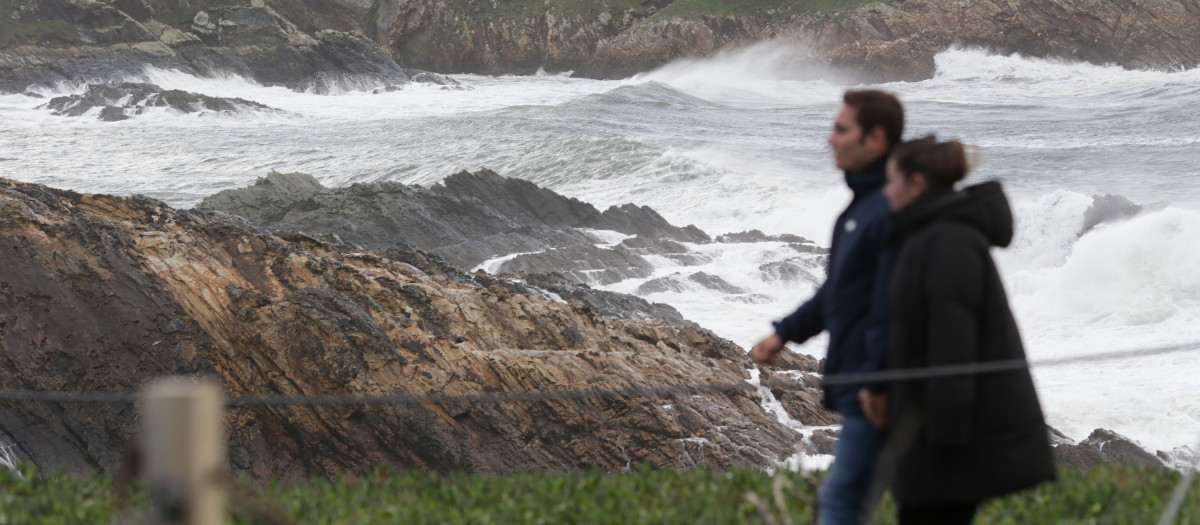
point(358, 43)
point(122, 100)
point(1102, 446)
point(102, 293)
point(468, 219)
point(100, 41)
point(803, 396)
point(1108, 208)
point(886, 40)
point(897, 40)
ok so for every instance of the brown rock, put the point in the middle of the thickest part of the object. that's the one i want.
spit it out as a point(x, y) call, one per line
point(102, 293)
point(1103, 446)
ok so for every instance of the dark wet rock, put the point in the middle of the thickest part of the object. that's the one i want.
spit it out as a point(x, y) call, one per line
point(608, 304)
point(794, 381)
point(759, 236)
point(712, 282)
point(679, 283)
point(468, 219)
point(644, 221)
point(805, 406)
point(119, 101)
point(824, 441)
point(794, 270)
point(113, 114)
point(1104, 446)
point(670, 283)
point(652, 246)
point(429, 77)
point(584, 264)
point(110, 43)
point(795, 242)
point(1180, 458)
point(1108, 208)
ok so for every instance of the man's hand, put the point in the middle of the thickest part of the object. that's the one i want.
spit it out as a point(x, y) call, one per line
point(765, 351)
point(874, 407)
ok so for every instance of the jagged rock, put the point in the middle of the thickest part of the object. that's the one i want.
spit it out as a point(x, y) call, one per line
point(284, 44)
point(759, 236)
point(102, 293)
point(608, 304)
point(584, 264)
point(467, 219)
point(135, 98)
point(1107, 208)
point(1104, 446)
point(95, 23)
point(679, 283)
point(888, 40)
point(803, 395)
point(793, 270)
point(824, 441)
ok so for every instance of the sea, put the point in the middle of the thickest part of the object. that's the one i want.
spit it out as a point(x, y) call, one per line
point(737, 142)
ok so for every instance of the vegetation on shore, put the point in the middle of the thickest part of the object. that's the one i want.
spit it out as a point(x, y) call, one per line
point(1104, 494)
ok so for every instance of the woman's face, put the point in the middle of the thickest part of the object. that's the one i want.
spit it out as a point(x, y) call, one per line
point(900, 191)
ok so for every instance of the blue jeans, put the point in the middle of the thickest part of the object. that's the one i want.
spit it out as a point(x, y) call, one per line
point(841, 497)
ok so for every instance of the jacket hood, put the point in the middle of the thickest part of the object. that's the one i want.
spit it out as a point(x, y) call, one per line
point(982, 206)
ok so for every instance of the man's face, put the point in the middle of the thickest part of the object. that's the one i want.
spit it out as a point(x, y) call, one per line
point(854, 150)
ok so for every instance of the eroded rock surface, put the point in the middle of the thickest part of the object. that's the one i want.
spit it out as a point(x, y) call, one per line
point(122, 100)
point(357, 44)
point(102, 293)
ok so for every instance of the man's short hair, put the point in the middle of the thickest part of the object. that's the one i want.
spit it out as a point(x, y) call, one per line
point(877, 108)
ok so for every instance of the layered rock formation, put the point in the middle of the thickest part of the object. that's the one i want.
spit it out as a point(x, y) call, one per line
point(468, 219)
point(353, 43)
point(102, 293)
point(483, 220)
point(887, 40)
point(90, 41)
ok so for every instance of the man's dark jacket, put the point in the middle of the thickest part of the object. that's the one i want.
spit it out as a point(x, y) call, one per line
point(852, 302)
point(978, 436)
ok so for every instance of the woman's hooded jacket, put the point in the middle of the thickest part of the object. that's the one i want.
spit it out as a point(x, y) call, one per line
point(976, 436)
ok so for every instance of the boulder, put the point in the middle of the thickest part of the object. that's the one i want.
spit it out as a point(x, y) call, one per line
point(121, 100)
point(1103, 446)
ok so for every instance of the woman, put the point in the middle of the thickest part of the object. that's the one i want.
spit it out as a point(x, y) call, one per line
point(964, 438)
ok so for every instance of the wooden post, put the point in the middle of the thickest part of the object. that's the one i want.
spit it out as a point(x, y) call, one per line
point(184, 451)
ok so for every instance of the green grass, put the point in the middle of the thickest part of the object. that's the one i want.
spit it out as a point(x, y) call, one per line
point(1103, 495)
point(14, 33)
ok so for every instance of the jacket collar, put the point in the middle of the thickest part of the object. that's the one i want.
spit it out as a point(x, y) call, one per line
point(869, 179)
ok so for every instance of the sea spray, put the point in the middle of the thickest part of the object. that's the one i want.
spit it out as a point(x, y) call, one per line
point(737, 142)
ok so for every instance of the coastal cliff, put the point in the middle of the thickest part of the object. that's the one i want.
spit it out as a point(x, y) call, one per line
point(364, 43)
point(103, 293)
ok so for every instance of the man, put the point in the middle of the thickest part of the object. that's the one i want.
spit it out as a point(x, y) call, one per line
point(851, 302)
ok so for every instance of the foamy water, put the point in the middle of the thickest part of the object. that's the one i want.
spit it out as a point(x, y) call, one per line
point(737, 142)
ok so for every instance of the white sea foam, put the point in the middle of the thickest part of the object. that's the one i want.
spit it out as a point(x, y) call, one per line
point(766, 75)
point(737, 142)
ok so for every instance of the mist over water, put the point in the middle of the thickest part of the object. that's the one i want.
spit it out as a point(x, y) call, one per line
point(737, 142)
